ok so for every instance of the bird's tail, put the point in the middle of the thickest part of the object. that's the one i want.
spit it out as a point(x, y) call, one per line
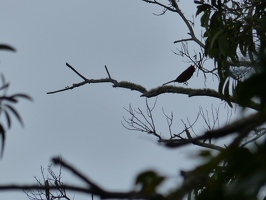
point(169, 82)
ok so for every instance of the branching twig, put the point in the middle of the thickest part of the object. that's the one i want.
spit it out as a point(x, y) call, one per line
point(206, 118)
point(146, 124)
point(169, 122)
point(182, 139)
point(122, 84)
point(242, 127)
point(54, 180)
point(191, 31)
point(203, 144)
point(175, 8)
point(59, 161)
point(91, 187)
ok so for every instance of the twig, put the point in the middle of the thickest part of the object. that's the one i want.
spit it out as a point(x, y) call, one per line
point(69, 87)
point(183, 40)
point(242, 127)
point(169, 121)
point(77, 173)
point(107, 72)
point(203, 144)
point(191, 31)
point(144, 125)
point(175, 8)
point(76, 71)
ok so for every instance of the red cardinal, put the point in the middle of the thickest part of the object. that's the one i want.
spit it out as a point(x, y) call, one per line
point(184, 76)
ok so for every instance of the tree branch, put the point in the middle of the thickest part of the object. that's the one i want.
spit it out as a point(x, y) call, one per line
point(102, 195)
point(59, 161)
point(191, 31)
point(175, 8)
point(191, 93)
point(92, 188)
point(242, 127)
point(151, 93)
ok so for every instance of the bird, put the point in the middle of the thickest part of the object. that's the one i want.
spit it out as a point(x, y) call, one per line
point(184, 76)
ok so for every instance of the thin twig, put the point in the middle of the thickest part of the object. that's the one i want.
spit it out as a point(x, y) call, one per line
point(169, 122)
point(77, 173)
point(107, 72)
point(84, 78)
point(243, 127)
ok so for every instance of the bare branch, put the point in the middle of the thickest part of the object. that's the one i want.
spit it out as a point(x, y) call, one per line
point(122, 84)
point(215, 118)
point(85, 190)
point(183, 40)
point(191, 31)
point(160, 4)
point(203, 144)
point(143, 124)
point(169, 122)
point(191, 93)
point(175, 8)
point(107, 72)
point(59, 161)
point(242, 127)
point(76, 71)
point(189, 137)
point(52, 180)
point(153, 92)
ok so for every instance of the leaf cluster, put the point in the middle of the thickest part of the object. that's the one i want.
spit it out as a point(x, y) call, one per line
point(233, 30)
point(230, 181)
point(7, 102)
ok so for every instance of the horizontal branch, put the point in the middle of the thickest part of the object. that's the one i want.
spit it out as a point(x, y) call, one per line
point(38, 187)
point(172, 143)
point(102, 195)
point(192, 93)
point(183, 40)
point(90, 188)
point(151, 93)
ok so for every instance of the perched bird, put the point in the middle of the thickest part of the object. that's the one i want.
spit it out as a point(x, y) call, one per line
point(184, 76)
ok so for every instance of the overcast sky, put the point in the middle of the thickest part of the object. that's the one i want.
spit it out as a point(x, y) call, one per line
point(84, 125)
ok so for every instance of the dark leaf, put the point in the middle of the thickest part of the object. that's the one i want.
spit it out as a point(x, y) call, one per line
point(15, 113)
point(205, 19)
point(203, 8)
point(7, 119)
point(10, 99)
point(5, 86)
point(3, 136)
point(6, 47)
point(21, 96)
point(149, 181)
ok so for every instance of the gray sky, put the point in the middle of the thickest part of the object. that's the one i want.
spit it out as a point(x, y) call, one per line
point(84, 125)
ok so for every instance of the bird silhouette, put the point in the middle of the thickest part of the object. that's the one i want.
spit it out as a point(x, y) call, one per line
point(184, 76)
